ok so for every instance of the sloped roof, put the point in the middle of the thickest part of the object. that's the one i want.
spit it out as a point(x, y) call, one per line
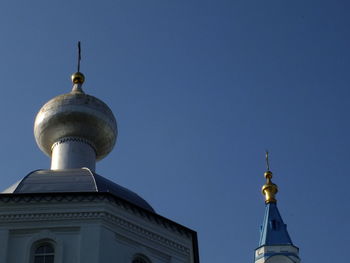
point(73, 180)
point(273, 230)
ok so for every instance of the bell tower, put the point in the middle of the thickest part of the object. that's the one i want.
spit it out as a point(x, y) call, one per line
point(275, 244)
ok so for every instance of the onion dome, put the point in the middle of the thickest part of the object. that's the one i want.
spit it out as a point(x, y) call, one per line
point(78, 116)
point(269, 190)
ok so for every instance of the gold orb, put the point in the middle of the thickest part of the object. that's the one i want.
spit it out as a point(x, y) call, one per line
point(78, 78)
point(268, 174)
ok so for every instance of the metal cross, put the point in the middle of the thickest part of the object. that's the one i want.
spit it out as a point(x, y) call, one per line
point(79, 55)
point(267, 160)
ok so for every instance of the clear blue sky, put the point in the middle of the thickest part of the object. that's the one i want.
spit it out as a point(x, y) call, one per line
point(200, 89)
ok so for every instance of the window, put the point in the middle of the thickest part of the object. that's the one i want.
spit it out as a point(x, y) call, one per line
point(140, 259)
point(44, 253)
point(275, 225)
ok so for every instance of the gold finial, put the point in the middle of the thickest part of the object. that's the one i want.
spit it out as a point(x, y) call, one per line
point(78, 77)
point(269, 189)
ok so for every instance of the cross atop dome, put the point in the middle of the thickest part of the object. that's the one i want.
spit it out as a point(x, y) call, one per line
point(78, 78)
point(75, 129)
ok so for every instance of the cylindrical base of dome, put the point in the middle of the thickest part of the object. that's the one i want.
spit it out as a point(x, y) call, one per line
point(72, 152)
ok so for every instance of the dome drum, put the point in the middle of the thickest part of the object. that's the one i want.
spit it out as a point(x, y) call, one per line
point(72, 152)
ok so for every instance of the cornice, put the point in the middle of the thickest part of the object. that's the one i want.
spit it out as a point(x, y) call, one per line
point(13, 199)
point(72, 216)
point(93, 197)
point(146, 233)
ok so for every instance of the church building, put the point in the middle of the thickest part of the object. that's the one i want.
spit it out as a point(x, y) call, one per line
point(71, 214)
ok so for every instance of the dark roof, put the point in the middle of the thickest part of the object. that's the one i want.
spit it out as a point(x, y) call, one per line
point(73, 180)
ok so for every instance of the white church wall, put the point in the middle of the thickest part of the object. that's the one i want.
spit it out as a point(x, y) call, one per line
point(276, 249)
point(274, 254)
point(280, 259)
point(125, 248)
point(23, 238)
point(89, 241)
point(3, 244)
point(129, 239)
point(91, 230)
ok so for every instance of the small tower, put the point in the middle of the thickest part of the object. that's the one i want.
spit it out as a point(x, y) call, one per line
point(275, 245)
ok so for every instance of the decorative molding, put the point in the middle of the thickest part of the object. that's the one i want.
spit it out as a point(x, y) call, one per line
point(73, 139)
point(91, 215)
point(146, 233)
point(93, 197)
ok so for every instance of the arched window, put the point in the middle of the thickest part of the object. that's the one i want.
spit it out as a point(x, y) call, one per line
point(44, 253)
point(141, 259)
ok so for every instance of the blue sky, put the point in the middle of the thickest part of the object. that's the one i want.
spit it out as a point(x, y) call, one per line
point(200, 89)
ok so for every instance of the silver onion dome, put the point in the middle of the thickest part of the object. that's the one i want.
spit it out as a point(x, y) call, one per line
point(76, 115)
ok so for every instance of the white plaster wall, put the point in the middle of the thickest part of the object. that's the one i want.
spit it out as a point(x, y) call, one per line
point(3, 245)
point(88, 232)
point(122, 245)
point(89, 242)
point(21, 240)
point(125, 247)
point(276, 249)
point(279, 259)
